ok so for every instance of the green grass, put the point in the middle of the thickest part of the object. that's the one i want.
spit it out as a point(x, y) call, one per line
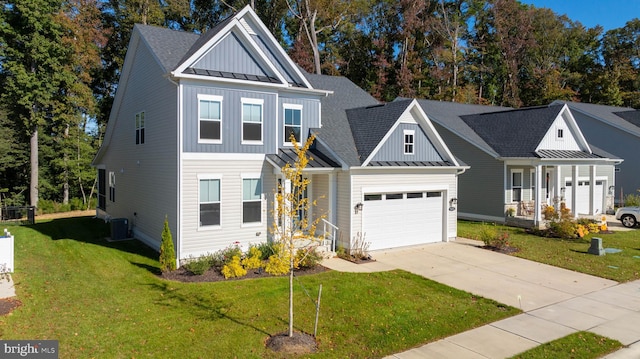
point(572, 254)
point(105, 300)
point(580, 345)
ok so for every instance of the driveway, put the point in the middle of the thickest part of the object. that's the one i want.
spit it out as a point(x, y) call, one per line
point(556, 302)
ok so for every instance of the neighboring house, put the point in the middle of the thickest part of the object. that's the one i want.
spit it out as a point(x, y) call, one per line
point(200, 129)
point(522, 160)
point(617, 131)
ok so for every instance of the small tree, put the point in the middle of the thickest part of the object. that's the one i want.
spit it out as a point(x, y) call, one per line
point(292, 229)
point(167, 251)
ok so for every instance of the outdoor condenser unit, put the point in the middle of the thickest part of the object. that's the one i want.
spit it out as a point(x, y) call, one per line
point(119, 229)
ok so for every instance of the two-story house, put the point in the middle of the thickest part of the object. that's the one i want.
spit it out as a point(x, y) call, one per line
point(200, 128)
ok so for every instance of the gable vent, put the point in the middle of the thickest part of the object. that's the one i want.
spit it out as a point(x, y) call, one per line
point(247, 27)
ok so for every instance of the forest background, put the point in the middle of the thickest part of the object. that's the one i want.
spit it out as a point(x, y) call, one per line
point(60, 61)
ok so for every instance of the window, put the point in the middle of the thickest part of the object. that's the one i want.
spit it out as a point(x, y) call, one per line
point(292, 122)
point(516, 186)
point(102, 189)
point(209, 202)
point(533, 185)
point(140, 128)
point(408, 141)
point(394, 196)
point(372, 197)
point(434, 194)
point(251, 201)
point(560, 133)
point(210, 118)
point(252, 120)
point(112, 186)
point(414, 195)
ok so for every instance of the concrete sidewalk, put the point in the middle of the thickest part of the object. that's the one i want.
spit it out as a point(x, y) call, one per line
point(7, 289)
point(556, 302)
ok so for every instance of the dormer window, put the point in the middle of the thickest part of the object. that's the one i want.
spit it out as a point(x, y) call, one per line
point(292, 123)
point(409, 136)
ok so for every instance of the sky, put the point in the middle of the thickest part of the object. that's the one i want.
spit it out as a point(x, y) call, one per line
point(610, 14)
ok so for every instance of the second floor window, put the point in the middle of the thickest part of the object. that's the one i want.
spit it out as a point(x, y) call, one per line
point(292, 122)
point(252, 120)
point(408, 142)
point(140, 128)
point(210, 118)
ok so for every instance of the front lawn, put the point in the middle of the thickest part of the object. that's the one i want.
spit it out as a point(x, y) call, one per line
point(105, 300)
point(580, 345)
point(572, 254)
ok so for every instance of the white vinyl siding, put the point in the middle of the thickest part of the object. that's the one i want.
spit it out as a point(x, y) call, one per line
point(209, 119)
point(252, 119)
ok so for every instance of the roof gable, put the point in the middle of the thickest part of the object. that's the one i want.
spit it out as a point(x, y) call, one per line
point(250, 54)
point(622, 118)
point(372, 126)
point(563, 134)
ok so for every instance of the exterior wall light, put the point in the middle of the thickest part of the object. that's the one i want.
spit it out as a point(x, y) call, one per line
point(358, 207)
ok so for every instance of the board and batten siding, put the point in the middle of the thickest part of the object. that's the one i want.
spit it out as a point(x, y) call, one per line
point(230, 55)
point(231, 113)
point(275, 60)
point(310, 116)
point(438, 180)
point(393, 148)
point(198, 241)
point(344, 208)
point(567, 142)
point(481, 187)
point(146, 174)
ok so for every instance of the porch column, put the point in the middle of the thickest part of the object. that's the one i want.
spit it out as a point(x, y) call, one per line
point(537, 205)
point(574, 190)
point(333, 195)
point(592, 189)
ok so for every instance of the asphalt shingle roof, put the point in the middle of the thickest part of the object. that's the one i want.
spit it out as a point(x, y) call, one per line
point(370, 124)
point(514, 133)
point(630, 116)
point(616, 116)
point(169, 46)
point(336, 131)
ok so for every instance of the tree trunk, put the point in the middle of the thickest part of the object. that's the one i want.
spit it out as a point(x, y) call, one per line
point(33, 183)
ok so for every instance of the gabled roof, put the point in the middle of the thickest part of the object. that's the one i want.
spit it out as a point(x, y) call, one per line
point(369, 125)
point(514, 133)
point(624, 118)
point(336, 131)
point(168, 46)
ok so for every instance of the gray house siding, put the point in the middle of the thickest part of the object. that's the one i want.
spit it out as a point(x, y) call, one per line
point(274, 60)
point(231, 131)
point(617, 142)
point(231, 55)
point(480, 191)
point(136, 166)
point(310, 116)
point(393, 148)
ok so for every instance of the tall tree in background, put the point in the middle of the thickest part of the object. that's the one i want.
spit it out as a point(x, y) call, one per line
point(34, 77)
point(621, 53)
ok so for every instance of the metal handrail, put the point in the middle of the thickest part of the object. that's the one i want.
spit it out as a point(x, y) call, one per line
point(334, 233)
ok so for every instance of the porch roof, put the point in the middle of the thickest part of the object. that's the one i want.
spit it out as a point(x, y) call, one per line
point(411, 164)
point(317, 160)
point(565, 154)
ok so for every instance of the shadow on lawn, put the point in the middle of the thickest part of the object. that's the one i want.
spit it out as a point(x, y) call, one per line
point(202, 304)
point(90, 230)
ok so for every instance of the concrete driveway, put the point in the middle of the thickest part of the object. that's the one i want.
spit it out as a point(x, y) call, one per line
point(556, 302)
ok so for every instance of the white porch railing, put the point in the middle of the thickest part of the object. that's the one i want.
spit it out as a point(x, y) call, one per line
point(330, 233)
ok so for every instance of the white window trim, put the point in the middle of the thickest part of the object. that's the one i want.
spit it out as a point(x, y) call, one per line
point(209, 177)
point(112, 186)
point(521, 171)
point(252, 176)
point(290, 106)
point(252, 101)
point(405, 143)
point(202, 97)
point(139, 127)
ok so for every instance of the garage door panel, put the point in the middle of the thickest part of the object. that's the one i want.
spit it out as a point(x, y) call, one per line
point(407, 221)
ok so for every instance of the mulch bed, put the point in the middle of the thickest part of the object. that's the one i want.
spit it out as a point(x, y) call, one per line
point(213, 275)
point(7, 305)
point(504, 250)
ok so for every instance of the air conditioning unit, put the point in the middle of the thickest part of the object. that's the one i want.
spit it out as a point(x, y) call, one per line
point(119, 229)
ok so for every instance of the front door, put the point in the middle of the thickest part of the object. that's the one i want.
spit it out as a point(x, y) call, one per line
point(550, 188)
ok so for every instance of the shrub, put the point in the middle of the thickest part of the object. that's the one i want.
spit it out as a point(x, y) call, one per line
point(199, 265)
point(233, 269)
point(307, 258)
point(490, 236)
point(360, 249)
point(167, 251)
point(265, 249)
point(253, 260)
point(632, 200)
point(563, 229)
point(224, 256)
point(277, 265)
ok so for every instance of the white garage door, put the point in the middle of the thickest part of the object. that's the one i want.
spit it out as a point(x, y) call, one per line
point(402, 219)
point(582, 200)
